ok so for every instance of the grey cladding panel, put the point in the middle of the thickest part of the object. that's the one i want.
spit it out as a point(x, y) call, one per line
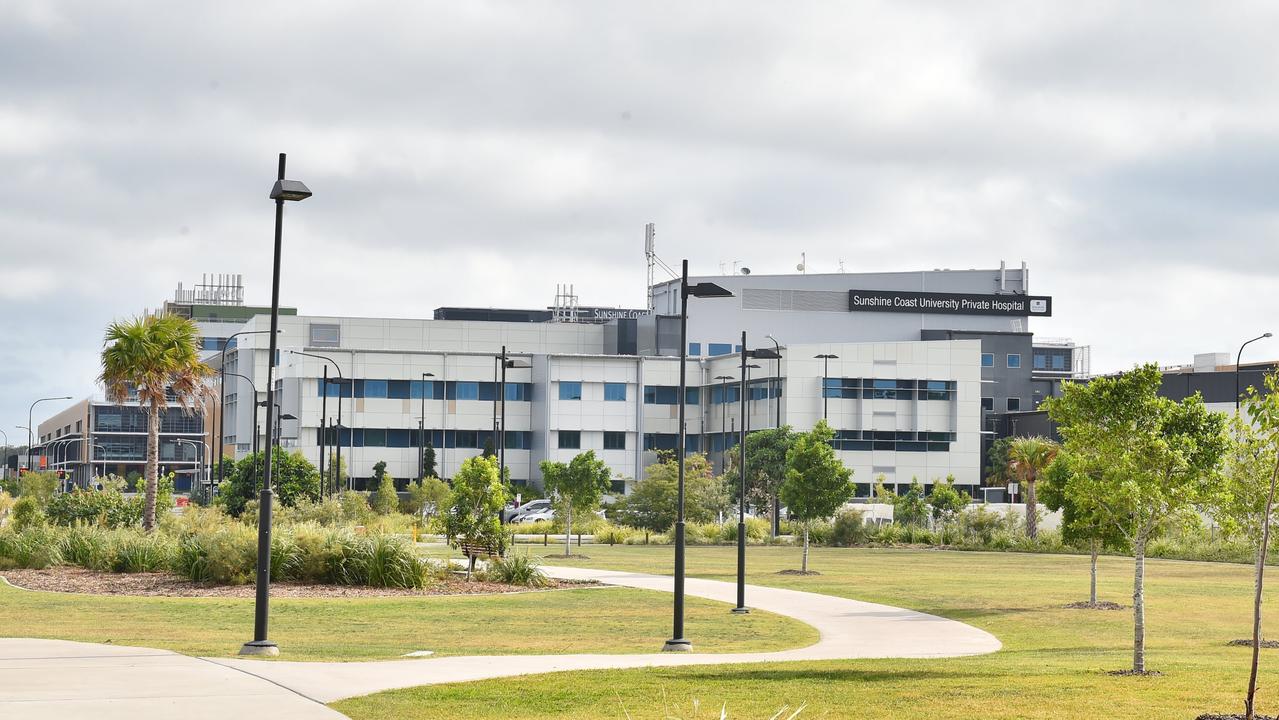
point(788, 300)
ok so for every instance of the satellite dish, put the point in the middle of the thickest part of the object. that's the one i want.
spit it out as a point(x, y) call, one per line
point(746, 271)
point(800, 267)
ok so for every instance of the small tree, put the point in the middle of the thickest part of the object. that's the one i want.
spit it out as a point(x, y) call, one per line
point(340, 472)
point(1082, 522)
point(577, 487)
point(426, 497)
point(766, 466)
point(910, 508)
point(945, 501)
point(428, 461)
point(1247, 506)
point(295, 478)
point(652, 501)
point(1140, 460)
point(384, 500)
point(488, 449)
point(997, 471)
point(474, 516)
point(817, 483)
point(1028, 458)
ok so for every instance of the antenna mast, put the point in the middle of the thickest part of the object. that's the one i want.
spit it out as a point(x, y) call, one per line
point(650, 255)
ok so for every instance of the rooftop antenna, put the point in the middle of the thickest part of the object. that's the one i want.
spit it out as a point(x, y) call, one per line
point(841, 265)
point(650, 255)
point(803, 263)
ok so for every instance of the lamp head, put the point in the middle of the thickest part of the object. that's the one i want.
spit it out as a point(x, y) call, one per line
point(765, 354)
point(290, 190)
point(708, 290)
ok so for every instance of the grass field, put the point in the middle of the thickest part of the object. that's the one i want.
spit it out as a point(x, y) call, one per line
point(609, 620)
point(1053, 664)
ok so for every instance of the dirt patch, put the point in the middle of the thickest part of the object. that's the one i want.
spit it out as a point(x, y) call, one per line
point(1099, 605)
point(79, 580)
point(1134, 673)
point(798, 572)
point(1247, 642)
point(574, 556)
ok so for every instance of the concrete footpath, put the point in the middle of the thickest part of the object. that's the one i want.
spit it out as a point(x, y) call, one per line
point(59, 679)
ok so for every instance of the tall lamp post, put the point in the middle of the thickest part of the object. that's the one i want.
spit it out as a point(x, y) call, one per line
point(501, 453)
point(763, 354)
point(825, 358)
point(294, 191)
point(30, 424)
point(5, 458)
point(340, 381)
point(222, 397)
point(253, 446)
point(777, 375)
point(1237, 359)
point(421, 430)
point(677, 642)
point(723, 420)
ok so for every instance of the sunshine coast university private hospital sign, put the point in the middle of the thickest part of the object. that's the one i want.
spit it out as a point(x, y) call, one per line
point(949, 303)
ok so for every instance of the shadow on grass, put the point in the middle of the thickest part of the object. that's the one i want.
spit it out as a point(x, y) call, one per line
point(810, 675)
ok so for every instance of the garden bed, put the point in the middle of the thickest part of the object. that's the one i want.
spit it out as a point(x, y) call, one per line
point(79, 580)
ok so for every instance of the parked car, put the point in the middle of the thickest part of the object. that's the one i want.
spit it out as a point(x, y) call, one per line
point(532, 517)
point(531, 506)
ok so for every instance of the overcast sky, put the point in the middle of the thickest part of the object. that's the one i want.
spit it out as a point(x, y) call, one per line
point(475, 153)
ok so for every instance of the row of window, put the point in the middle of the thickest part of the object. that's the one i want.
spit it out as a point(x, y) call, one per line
point(1013, 359)
point(1013, 404)
point(755, 390)
point(129, 418)
point(879, 389)
point(897, 441)
point(572, 440)
point(1052, 360)
point(572, 390)
point(425, 389)
point(412, 438)
point(713, 349)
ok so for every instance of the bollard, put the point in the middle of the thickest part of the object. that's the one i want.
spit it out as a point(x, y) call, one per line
point(543, 539)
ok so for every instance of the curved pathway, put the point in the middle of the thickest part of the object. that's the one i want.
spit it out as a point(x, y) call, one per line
point(848, 629)
point(63, 679)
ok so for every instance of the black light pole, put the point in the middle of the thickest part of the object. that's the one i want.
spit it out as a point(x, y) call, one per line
point(324, 438)
point(260, 645)
point(777, 375)
point(253, 444)
point(761, 353)
point(677, 642)
point(421, 430)
point(222, 397)
point(501, 453)
point(825, 358)
point(1237, 359)
point(723, 419)
point(337, 463)
point(30, 434)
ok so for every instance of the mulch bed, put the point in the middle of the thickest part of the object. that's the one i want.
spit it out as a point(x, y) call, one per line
point(798, 572)
point(79, 580)
point(1247, 642)
point(1134, 673)
point(1099, 605)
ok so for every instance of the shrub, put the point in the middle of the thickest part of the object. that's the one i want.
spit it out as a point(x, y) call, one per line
point(819, 532)
point(848, 529)
point(355, 507)
point(701, 533)
point(517, 570)
point(6, 505)
point(226, 555)
point(327, 556)
point(327, 512)
point(133, 552)
point(285, 557)
point(392, 562)
point(26, 513)
point(39, 486)
point(384, 500)
point(35, 547)
point(85, 546)
point(108, 508)
point(541, 527)
point(756, 531)
point(609, 534)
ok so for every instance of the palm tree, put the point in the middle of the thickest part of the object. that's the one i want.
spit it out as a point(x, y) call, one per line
point(1028, 458)
point(156, 358)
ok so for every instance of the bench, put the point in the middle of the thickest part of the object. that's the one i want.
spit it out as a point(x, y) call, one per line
point(477, 550)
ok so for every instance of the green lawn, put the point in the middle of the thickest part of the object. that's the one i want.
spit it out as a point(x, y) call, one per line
point(607, 620)
point(1052, 666)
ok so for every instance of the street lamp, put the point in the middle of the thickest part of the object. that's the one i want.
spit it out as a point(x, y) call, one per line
point(825, 358)
point(30, 424)
point(421, 430)
point(222, 397)
point(723, 420)
point(762, 354)
point(501, 453)
point(677, 642)
point(1237, 359)
point(777, 365)
point(337, 436)
point(253, 443)
point(283, 190)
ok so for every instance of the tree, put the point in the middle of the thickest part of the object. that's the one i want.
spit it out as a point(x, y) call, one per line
point(945, 501)
point(384, 500)
point(817, 483)
point(1140, 460)
point(474, 516)
point(157, 358)
point(1247, 505)
point(428, 461)
point(1081, 522)
point(577, 487)
point(1028, 457)
point(652, 501)
point(427, 497)
point(766, 465)
point(379, 470)
point(488, 450)
point(340, 464)
point(294, 478)
point(910, 508)
point(997, 470)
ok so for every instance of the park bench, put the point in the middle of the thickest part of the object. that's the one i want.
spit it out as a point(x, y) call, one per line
point(473, 550)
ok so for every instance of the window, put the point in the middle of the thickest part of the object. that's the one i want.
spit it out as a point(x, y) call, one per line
point(325, 335)
point(1014, 404)
point(669, 395)
point(374, 438)
point(397, 389)
point(614, 440)
point(615, 392)
point(463, 391)
point(1014, 360)
point(988, 404)
point(695, 349)
point(988, 359)
point(693, 396)
point(570, 391)
point(373, 388)
point(617, 487)
point(661, 441)
point(720, 349)
point(1059, 362)
point(426, 389)
point(937, 389)
point(570, 439)
point(519, 392)
point(1041, 362)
